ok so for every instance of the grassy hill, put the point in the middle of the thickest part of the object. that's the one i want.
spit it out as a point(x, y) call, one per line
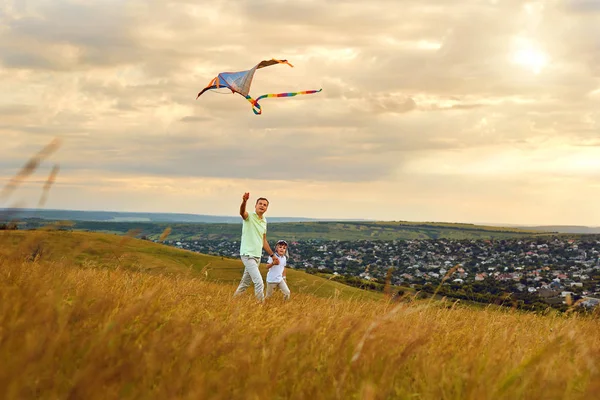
point(111, 251)
point(96, 316)
point(304, 230)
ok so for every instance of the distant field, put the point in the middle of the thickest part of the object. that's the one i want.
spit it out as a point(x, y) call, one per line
point(304, 230)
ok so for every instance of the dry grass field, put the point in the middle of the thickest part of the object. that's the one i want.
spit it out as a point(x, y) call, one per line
point(89, 316)
point(111, 251)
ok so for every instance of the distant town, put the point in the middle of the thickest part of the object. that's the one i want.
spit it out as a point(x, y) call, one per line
point(549, 270)
point(529, 270)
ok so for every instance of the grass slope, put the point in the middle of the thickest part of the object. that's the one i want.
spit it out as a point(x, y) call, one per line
point(395, 231)
point(70, 330)
point(113, 251)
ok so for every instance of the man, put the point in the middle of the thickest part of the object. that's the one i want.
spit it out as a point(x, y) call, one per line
point(254, 239)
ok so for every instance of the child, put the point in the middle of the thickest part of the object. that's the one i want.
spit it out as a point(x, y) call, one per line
point(276, 272)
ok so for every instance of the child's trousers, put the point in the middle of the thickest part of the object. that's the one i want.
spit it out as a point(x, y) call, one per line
point(282, 286)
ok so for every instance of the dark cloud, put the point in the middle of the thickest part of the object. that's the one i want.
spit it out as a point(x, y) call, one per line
point(16, 110)
point(583, 6)
point(194, 120)
point(394, 105)
point(65, 35)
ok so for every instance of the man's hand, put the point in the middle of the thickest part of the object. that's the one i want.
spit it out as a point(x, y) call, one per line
point(243, 212)
point(275, 260)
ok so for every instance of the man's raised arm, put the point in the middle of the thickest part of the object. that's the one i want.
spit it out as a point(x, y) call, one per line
point(243, 212)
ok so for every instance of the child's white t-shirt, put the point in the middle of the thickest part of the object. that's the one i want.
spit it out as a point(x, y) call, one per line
point(275, 274)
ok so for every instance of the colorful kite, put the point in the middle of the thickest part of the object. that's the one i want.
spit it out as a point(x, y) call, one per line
point(239, 82)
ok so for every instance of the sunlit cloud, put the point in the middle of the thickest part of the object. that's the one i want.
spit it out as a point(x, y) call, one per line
point(528, 55)
point(557, 160)
point(429, 110)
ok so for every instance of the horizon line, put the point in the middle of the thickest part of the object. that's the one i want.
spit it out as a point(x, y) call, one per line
point(496, 224)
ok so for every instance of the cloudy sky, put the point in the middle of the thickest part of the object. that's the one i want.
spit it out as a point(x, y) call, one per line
point(483, 111)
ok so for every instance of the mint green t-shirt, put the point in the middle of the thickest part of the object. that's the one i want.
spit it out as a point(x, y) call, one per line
point(253, 230)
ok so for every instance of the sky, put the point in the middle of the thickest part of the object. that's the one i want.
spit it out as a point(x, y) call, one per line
point(476, 111)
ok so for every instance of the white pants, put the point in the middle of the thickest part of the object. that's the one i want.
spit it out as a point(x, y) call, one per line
point(282, 286)
point(251, 274)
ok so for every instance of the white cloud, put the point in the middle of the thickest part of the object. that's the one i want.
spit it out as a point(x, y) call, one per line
point(419, 95)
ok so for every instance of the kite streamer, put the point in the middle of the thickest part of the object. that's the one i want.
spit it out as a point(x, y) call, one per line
point(256, 107)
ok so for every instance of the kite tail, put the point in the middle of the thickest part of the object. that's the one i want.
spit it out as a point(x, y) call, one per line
point(256, 107)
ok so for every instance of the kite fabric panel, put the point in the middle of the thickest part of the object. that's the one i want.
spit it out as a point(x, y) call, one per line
point(240, 82)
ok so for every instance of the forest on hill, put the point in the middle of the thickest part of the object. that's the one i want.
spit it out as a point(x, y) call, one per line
point(325, 230)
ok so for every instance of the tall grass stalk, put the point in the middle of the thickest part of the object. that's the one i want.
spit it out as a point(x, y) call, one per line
point(73, 332)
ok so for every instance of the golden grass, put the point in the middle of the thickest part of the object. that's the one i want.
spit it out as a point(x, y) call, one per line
point(29, 168)
point(123, 252)
point(82, 331)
